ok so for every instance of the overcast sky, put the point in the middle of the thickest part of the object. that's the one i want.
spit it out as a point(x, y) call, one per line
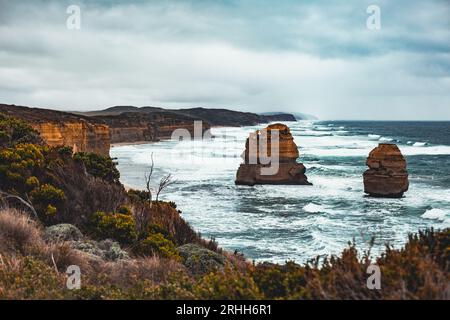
point(316, 57)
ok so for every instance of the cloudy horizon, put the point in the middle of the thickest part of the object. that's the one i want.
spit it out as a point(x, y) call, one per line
point(318, 57)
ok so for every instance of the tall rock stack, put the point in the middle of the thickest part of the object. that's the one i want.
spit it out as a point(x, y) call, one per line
point(387, 175)
point(289, 171)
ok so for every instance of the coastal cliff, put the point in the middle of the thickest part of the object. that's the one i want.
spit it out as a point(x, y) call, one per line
point(57, 128)
point(81, 135)
point(136, 127)
point(96, 131)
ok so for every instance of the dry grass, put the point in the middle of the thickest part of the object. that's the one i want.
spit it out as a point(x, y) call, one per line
point(18, 232)
point(30, 268)
point(127, 273)
point(22, 249)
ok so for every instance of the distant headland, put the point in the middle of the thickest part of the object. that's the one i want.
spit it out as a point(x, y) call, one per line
point(95, 131)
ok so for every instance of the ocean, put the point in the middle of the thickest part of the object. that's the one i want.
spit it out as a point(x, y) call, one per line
point(280, 223)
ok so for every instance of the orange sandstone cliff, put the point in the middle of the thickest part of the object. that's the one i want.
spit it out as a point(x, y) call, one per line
point(387, 175)
point(56, 128)
point(81, 135)
point(289, 170)
point(129, 127)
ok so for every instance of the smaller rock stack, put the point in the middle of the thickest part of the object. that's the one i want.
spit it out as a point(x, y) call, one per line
point(289, 171)
point(387, 175)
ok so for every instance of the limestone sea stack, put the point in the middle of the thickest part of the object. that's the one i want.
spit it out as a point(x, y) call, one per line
point(387, 175)
point(254, 169)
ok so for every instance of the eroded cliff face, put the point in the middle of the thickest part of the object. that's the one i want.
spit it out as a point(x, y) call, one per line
point(289, 171)
point(136, 127)
point(387, 175)
point(81, 136)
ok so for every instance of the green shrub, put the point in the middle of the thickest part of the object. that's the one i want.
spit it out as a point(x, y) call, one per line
point(116, 226)
point(281, 281)
point(51, 211)
point(138, 195)
point(99, 166)
point(18, 164)
point(29, 278)
point(199, 260)
point(14, 131)
point(157, 244)
point(124, 210)
point(46, 199)
point(159, 228)
point(32, 182)
point(65, 151)
point(47, 193)
point(229, 284)
point(178, 287)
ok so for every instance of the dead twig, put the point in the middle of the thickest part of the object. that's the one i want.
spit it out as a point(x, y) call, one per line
point(6, 195)
point(148, 177)
point(164, 183)
point(54, 263)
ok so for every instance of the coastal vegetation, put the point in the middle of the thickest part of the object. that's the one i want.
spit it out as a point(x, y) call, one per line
point(60, 208)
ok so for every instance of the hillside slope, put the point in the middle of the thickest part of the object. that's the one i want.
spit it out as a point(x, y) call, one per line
point(215, 117)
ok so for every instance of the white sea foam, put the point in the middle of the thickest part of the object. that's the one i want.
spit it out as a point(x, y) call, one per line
point(340, 132)
point(363, 148)
point(316, 208)
point(385, 139)
point(320, 128)
point(420, 144)
point(313, 208)
point(435, 214)
point(374, 136)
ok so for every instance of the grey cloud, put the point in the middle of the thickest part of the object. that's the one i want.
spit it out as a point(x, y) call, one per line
point(315, 57)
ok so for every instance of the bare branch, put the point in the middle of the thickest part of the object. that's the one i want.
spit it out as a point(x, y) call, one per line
point(24, 202)
point(164, 183)
point(148, 177)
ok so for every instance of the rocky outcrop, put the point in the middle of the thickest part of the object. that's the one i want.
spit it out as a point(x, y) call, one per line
point(83, 134)
point(62, 232)
point(105, 250)
point(137, 127)
point(387, 175)
point(199, 260)
point(251, 172)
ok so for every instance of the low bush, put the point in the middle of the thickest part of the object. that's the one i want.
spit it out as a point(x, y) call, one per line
point(124, 210)
point(116, 226)
point(418, 271)
point(227, 285)
point(157, 244)
point(99, 166)
point(138, 195)
point(29, 278)
point(18, 164)
point(46, 199)
point(14, 131)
